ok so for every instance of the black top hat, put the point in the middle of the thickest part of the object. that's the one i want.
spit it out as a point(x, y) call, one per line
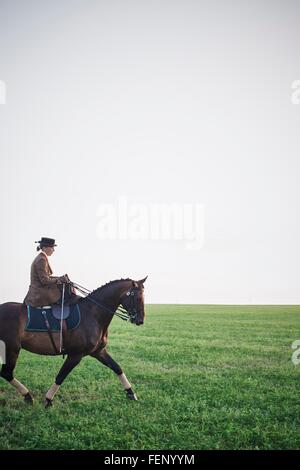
point(46, 242)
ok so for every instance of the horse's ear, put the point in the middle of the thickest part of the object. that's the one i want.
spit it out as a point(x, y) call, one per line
point(141, 282)
point(135, 284)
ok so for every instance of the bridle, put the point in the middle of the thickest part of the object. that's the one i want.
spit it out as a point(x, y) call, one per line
point(128, 315)
point(132, 310)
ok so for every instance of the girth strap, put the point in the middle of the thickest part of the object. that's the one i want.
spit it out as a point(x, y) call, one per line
point(50, 332)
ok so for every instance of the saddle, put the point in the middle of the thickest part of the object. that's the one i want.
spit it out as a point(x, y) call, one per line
point(57, 310)
point(59, 313)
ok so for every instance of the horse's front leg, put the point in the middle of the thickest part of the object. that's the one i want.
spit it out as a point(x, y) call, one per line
point(103, 356)
point(69, 364)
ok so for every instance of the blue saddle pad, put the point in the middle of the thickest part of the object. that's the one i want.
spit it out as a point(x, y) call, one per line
point(36, 319)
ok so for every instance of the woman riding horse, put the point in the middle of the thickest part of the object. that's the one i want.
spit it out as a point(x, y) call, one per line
point(89, 338)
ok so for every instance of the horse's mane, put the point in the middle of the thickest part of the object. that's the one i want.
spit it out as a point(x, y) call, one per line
point(100, 289)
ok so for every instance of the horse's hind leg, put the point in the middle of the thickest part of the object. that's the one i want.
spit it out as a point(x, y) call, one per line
point(7, 371)
point(67, 367)
point(103, 356)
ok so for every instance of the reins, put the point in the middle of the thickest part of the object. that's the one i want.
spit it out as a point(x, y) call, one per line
point(119, 312)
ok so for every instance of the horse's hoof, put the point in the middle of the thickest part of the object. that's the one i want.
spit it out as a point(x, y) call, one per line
point(48, 403)
point(28, 399)
point(131, 395)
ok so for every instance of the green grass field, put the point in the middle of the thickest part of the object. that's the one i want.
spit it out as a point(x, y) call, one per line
point(207, 377)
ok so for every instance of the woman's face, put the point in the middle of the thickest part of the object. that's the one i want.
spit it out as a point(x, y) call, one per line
point(49, 250)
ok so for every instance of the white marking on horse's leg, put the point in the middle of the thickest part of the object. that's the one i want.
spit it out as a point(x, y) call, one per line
point(20, 387)
point(124, 381)
point(126, 384)
point(52, 391)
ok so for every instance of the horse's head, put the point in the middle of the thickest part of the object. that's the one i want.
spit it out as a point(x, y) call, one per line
point(133, 301)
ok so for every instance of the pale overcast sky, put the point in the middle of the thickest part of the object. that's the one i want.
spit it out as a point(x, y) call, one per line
point(160, 102)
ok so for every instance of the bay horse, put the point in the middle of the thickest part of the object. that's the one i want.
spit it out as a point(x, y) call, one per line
point(88, 339)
